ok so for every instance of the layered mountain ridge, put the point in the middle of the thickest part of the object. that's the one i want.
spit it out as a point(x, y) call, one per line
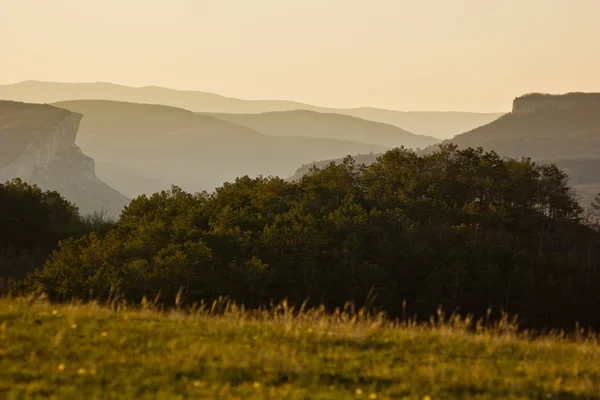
point(440, 124)
point(144, 148)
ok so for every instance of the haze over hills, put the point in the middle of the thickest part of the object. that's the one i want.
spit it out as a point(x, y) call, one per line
point(431, 123)
point(440, 124)
point(561, 129)
point(37, 144)
point(159, 145)
point(327, 125)
point(146, 148)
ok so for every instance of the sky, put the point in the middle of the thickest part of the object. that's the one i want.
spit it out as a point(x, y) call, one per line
point(468, 55)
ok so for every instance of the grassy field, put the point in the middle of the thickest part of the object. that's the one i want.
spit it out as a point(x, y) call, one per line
point(89, 352)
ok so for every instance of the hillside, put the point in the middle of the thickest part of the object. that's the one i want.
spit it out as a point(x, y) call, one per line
point(161, 144)
point(87, 351)
point(432, 123)
point(326, 125)
point(562, 129)
point(556, 129)
point(37, 144)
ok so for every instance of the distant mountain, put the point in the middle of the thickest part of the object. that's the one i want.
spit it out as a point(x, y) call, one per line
point(37, 144)
point(432, 123)
point(145, 148)
point(560, 129)
point(543, 127)
point(326, 125)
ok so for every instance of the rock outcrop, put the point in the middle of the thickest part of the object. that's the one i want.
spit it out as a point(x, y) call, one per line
point(538, 102)
point(37, 144)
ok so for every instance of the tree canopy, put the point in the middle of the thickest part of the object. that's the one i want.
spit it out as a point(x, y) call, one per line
point(466, 230)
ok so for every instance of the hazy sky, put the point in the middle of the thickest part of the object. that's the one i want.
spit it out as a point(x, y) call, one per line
point(402, 54)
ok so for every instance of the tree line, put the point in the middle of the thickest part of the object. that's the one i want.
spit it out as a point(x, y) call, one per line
point(465, 230)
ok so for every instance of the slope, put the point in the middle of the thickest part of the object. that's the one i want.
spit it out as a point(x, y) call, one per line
point(438, 124)
point(327, 125)
point(161, 144)
point(567, 131)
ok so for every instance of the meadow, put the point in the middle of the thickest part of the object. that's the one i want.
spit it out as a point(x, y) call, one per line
point(222, 351)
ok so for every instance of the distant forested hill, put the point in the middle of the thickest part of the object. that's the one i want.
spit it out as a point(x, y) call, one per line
point(327, 125)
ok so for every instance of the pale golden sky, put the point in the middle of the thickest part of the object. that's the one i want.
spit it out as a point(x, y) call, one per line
point(473, 55)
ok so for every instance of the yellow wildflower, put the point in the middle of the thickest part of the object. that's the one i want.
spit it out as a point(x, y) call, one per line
point(61, 367)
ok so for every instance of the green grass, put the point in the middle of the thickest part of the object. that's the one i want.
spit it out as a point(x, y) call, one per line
point(89, 351)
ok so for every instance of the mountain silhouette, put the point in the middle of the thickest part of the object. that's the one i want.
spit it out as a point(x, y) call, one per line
point(430, 123)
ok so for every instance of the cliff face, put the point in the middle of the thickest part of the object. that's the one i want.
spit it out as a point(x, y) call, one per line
point(37, 148)
point(536, 102)
point(37, 144)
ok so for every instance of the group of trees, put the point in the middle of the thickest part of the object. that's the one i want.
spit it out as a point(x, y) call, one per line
point(32, 222)
point(465, 230)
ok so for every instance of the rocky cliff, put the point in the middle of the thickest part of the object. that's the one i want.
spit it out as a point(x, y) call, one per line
point(37, 144)
point(537, 102)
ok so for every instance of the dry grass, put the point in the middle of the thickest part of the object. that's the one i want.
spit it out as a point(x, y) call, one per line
point(224, 351)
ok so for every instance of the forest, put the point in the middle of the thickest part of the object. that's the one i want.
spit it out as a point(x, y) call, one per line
point(465, 231)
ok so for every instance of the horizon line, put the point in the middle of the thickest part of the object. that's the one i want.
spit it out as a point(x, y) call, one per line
point(250, 99)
